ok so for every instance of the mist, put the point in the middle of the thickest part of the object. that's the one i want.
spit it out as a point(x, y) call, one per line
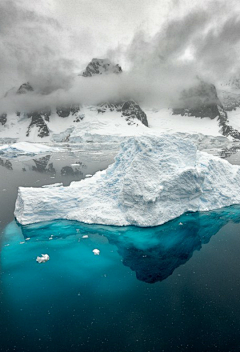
point(202, 42)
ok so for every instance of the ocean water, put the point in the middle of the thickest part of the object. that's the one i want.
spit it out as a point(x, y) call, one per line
point(175, 287)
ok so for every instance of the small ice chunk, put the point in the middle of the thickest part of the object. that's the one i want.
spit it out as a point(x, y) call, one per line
point(88, 175)
point(85, 236)
point(96, 251)
point(44, 258)
point(180, 223)
point(27, 239)
point(22, 242)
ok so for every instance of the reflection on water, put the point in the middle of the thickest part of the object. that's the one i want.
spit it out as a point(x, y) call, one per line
point(89, 297)
point(153, 253)
point(6, 163)
point(64, 164)
point(42, 165)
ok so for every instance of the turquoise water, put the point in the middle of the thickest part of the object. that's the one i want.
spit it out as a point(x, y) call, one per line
point(169, 288)
point(175, 287)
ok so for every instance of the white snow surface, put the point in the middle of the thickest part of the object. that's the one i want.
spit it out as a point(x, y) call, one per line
point(107, 127)
point(153, 180)
point(25, 148)
point(234, 118)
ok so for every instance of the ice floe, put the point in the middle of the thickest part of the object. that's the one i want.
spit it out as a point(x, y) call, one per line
point(25, 148)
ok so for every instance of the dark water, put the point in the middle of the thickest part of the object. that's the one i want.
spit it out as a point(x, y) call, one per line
point(175, 287)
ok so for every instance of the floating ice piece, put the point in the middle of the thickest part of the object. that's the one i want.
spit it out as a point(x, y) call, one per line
point(88, 175)
point(25, 148)
point(44, 258)
point(153, 180)
point(96, 251)
point(85, 236)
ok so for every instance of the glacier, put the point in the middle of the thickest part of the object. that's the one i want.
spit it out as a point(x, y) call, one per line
point(154, 179)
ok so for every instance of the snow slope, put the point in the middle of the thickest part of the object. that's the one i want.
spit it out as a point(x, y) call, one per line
point(234, 118)
point(153, 180)
point(98, 127)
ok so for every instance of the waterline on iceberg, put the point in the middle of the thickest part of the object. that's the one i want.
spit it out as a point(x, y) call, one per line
point(153, 253)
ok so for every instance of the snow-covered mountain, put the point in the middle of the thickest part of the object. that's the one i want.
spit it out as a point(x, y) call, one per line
point(202, 100)
point(101, 66)
point(62, 120)
point(201, 109)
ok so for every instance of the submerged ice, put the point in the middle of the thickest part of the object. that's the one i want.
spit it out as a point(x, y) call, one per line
point(153, 180)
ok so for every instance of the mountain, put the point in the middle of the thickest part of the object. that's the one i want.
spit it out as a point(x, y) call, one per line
point(43, 123)
point(201, 109)
point(101, 67)
point(202, 101)
point(25, 88)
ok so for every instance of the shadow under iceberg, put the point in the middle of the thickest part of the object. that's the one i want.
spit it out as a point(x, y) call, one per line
point(153, 253)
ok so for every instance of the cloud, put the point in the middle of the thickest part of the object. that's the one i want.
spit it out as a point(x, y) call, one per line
point(31, 49)
point(191, 41)
point(211, 40)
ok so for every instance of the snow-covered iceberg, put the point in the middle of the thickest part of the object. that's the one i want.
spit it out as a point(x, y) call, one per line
point(153, 180)
point(25, 148)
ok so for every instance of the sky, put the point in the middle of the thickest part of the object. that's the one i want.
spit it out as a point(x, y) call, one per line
point(162, 45)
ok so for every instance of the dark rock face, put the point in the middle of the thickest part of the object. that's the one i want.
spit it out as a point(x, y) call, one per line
point(101, 66)
point(79, 118)
point(226, 129)
point(109, 107)
point(46, 113)
point(132, 111)
point(64, 111)
point(38, 118)
point(38, 121)
point(202, 101)
point(3, 119)
point(199, 101)
point(25, 88)
point(129, 109)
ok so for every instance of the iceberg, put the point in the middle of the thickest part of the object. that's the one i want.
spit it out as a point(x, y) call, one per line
point(154, 179)
point(25, 148)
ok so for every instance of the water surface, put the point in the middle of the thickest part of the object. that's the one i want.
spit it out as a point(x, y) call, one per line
point(175, 287)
